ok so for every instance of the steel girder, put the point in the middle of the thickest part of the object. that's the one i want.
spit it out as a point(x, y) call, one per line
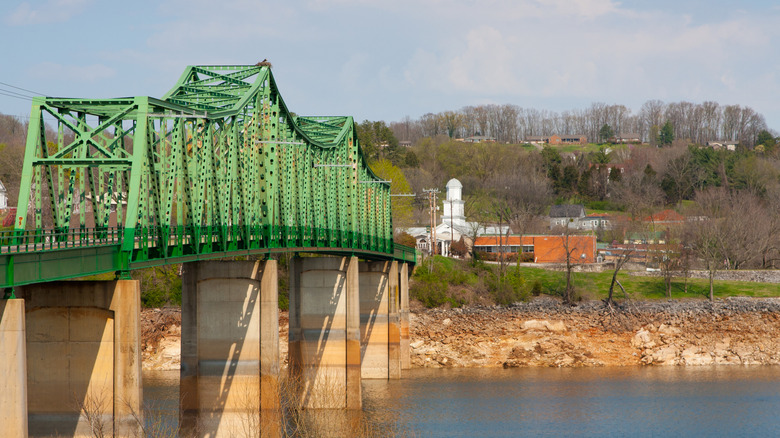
point(219, 165)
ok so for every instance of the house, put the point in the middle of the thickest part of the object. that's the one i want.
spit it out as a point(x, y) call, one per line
point(478, 139)
point(567, 215)
point(596, 221)
point(537, 139)
point(541, 248)
point(627, 137)
point(645, 238)
point(568, 139)
point(556, 139)
point(729, 145)
point(3, 197)
point(664, 219)
point(405, 143)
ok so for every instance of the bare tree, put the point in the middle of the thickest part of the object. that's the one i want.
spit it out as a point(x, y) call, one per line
point(477, 211)
point(704, 237)
point(571, 251)
point(639, 191)
point(668, 257)
point(621, 259)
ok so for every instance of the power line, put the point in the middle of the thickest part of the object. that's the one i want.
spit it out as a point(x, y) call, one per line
point(16, 97)
point(16, 93)
point(24, 89)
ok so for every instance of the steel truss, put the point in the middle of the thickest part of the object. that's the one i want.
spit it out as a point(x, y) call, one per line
point(217, 167)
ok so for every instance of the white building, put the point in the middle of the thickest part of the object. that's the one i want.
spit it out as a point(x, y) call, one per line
point(453, 224)
point(3, 197)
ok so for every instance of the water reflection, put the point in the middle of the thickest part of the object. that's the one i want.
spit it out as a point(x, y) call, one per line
point(646, 401)
point(718, 401)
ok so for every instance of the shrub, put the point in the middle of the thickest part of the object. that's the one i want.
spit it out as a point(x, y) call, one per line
point(160, 286)
point(536, 288)
point(405, 238)
point(510, 289)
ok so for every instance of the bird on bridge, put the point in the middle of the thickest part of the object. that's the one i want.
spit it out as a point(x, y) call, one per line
point(264, 63)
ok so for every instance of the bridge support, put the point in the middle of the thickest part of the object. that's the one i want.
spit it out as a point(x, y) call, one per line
point(403, 290)
point(83, 358)
point(13, 369)
point(324, 346)
point(379, 321)
point(230, 349)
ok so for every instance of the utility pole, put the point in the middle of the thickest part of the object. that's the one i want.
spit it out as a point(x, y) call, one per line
point(432, 205)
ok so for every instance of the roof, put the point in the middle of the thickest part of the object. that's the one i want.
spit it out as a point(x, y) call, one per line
point(526, 239)
point(567, 210)
point(597, 217)
point(2, 187)
point(666, 216)
point(454, 183)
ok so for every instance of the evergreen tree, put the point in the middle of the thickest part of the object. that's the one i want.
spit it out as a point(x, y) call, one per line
point(666, 136)
point(605, 133)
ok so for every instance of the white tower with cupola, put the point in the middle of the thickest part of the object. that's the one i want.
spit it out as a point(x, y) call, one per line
point(454, 213)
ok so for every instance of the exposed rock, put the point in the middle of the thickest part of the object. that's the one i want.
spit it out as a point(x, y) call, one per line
point(542, 332)
point(666, 355)
point(642, 339)
point(161, 339)
point(544, 325)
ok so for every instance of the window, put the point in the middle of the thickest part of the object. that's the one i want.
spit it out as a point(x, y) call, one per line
point(528, 248)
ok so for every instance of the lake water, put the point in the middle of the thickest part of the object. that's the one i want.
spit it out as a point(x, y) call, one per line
point(590, 402)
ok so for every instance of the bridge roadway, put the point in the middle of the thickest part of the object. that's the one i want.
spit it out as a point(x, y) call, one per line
point(219, 176)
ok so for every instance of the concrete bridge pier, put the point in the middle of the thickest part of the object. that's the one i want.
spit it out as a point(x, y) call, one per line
point(230, 349)
point(403, 299)
point(324, 345)
point(83, 358)
point(13, 369)
point(379, 321)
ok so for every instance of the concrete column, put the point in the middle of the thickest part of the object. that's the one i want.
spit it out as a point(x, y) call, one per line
point(403, 290)
point(377, 304)
point(394, 324)
point(324, 346)
point(83, 358)
point(230, 347)
point(13, 369)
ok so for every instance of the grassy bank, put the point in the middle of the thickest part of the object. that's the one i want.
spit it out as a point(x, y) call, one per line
point(441, 281)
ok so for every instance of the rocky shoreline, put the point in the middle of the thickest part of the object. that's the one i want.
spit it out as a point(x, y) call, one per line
point(542, 332)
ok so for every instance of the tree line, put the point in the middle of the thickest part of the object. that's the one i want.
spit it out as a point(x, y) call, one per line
point(695, 122)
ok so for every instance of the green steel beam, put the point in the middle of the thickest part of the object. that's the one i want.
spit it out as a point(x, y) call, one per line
point(218, 166)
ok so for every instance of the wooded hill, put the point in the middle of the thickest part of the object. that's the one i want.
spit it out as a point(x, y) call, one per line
point(516, 184)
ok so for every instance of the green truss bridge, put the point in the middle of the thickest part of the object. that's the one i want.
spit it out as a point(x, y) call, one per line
point(216, 168)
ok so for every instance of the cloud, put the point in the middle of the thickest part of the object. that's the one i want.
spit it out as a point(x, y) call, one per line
point(629, 54)
point(52, 11)
point(485, 64)
point(73, 73)
point(501, 10)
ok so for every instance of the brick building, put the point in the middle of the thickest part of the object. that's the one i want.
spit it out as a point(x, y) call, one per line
point(544, 249)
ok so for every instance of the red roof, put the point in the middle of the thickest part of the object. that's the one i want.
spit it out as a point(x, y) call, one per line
point(666, 216)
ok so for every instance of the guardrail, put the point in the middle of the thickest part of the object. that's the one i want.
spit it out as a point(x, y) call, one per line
point(13, 241)
point(180, 241)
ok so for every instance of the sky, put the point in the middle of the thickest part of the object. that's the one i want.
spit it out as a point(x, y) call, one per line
point(389, 59)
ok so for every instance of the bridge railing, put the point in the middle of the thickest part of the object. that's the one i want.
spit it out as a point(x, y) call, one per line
point(13, 241)
point(171, 242)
